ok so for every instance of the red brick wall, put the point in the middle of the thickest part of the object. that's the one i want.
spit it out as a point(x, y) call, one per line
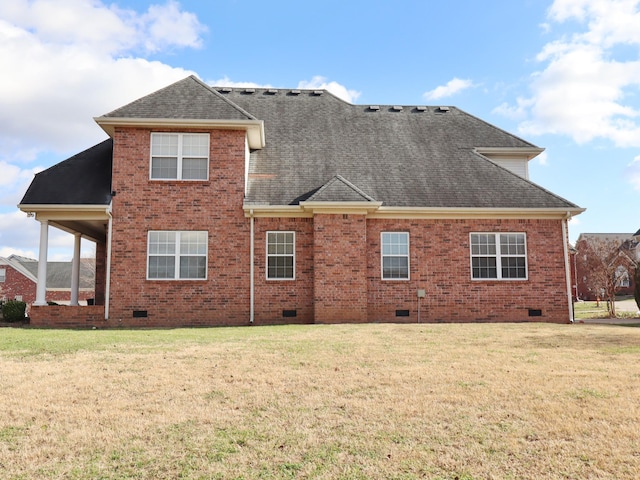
point(274, 296)
point(17, 284)
point(340, 270)
point(215, 205)
point(62, 316)
point(440, 264)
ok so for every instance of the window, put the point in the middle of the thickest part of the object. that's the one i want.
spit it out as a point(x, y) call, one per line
point(179, 156)
point(498, 256)
point(3, 275)
point(395, 255)
point(281, 247)
point(621, 277)
point(177, 255)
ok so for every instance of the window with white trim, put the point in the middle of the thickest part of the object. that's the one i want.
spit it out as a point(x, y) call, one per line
point(499, 256)
point(179, 156)
point(173, 255)
point(395, 255)
point(281, 255)
point(3, 275)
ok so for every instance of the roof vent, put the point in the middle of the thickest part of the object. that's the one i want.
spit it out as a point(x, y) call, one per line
point(374, 108)
point(294, 92)
point(271, 91)
point(443, 109)
point(421, 109)
point(249, 90)
point(317, 92)
point(396, 108)
point(225, 90)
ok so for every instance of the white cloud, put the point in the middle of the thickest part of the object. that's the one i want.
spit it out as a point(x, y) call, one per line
point(452, 87)
point(340, 91)
point(65, 62)
point(589, 83)
point(632, 173)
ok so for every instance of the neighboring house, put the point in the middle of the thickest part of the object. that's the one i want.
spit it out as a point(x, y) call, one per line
point(620, 252)
point(19, 276)
point(238, 206)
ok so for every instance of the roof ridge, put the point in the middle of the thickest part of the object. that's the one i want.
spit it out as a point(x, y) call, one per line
point(219, 95)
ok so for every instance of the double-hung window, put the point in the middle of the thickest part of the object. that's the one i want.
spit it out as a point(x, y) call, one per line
point(179, 156)
point(395, 255)
point(176, 255)
point(281, 255)
point(500, 256)
point(3, 275)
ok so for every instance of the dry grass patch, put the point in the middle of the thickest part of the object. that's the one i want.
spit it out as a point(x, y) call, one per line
point(523, 401)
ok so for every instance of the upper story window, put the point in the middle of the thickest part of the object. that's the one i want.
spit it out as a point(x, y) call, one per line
point(499, 256)
point(281, 257)
point(177, 255)
point(179, 156)
point(3, 275)
point(395, 255)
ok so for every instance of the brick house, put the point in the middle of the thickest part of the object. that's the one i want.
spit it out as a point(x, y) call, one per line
point(622, 253)
point(19, 277)
point(221, 206)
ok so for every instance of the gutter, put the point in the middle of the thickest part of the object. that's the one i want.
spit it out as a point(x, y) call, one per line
point(251, 269)
point(567, 267)
point(107, 287)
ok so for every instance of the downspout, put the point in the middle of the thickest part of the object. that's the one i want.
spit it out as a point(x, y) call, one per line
point(251, 267)
point(567, 267)
point(107, 286)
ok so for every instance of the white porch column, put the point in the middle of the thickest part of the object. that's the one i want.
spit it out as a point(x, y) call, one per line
point(41, 288)
point(75, 270)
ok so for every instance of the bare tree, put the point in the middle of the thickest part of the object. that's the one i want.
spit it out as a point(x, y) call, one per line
point(605, 264)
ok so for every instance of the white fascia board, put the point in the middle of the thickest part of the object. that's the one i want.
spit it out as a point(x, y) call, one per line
point(376, 210)
point(67, 212)
point(471, 213)
point(510, 152)
point(254, 128)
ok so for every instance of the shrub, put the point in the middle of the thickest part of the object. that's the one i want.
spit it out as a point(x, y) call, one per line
point(13, 311)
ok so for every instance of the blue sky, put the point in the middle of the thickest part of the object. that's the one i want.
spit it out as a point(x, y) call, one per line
point(563, 74)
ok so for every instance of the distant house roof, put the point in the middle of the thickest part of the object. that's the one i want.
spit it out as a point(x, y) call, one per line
point(321, 148)
point(58, 273)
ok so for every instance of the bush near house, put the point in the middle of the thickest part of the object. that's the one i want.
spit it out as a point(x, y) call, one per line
point(14, 311)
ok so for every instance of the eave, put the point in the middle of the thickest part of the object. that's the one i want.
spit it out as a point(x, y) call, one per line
point(510, 152)
point(88, 220)
point(253, 128)
point(376, 210)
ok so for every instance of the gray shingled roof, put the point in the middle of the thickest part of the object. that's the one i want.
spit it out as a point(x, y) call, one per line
point(59, 273)
point(84, 179)
point(186, 99)
point(404, 158)
point(322, 148)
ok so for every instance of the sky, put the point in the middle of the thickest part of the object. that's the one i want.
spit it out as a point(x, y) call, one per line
point(563, 74)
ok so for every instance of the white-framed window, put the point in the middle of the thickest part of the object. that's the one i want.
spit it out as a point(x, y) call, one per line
point(498, 256)
point(3, 275)
point(281, 255)
point(394, 255)
point(174, 255)
point(179, 156)
point(622, 277)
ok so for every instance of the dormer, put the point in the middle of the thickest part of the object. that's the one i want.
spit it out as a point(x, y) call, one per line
point(515, 160)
